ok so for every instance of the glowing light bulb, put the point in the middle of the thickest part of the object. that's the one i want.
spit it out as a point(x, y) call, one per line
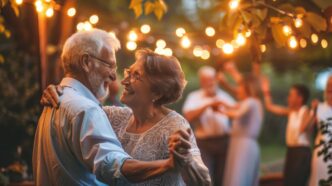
point(263, 48)
point(314, 38)
point(292, 42)
point(240, 40)
point(209, 31)
point(233, 4)
point(303, 43)
point(49, 12)
point(131, 45)
point(205, 54)
point(198, 51)
point(159, 51)
point(145, 29)
point(71, 12)
point(132, 36)
point(324, 43)
point(94, 19)
point(247, 33)
point(39, 6)
point(168, 52)
point(228, 48)
point(161, 43)
point(18, 2)
point(185, 42)
point(287, 30)
point(220, 43)
point(298, 22)
point(180, 32)
point(80, 26)
point(87, 25)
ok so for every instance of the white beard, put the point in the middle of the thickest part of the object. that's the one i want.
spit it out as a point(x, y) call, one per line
point(99, 88)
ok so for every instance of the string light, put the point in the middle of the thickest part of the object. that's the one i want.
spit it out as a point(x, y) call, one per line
point(220, 43)
point(233, 4)
point(198, 51)
point(263, 48)
point(18, 2)
point(303, 43)
point(247, 33)
point(168, 52)
point(39, 6)
point(145, 29)
point(292, 42)
point(80, 26)
point(87, 25)
point(205, 54)
point(49, 12)
point(298, 22)
point(314, 38)
point(131, 45)
point(228, 48)
point(287, 30)
point(94, 19)
point(180, 32)
point(209, 31)
point(240, 40)
point(185, 42)
point(324, 43)
point(132, 36)
point(161, 43)
point(71, 12)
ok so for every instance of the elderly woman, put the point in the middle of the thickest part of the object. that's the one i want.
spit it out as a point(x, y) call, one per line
point(144, 127)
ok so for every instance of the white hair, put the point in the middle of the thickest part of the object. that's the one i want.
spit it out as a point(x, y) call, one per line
point(82, 42)
point(207, 71)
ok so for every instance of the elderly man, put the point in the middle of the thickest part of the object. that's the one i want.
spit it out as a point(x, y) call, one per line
point(212, 127)
point(75, 144)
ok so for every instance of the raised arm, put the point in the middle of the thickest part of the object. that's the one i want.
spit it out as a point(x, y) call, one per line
point(270, 106)
point(309, 117)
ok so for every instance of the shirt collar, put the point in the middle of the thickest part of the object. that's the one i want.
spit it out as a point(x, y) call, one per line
point(79, 87)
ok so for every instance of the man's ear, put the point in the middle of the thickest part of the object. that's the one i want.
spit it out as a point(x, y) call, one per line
point(84, 62)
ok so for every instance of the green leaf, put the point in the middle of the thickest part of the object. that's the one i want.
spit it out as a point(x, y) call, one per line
point(136, 5)
point(148, 7)
point(232, 17)
point(160, 8)
point(278, 34)
point(305, 30)
point(300, 10)
point(15, 8)
point(275, 20)
point(317, 22)
point(260, 13)
point(7, 33)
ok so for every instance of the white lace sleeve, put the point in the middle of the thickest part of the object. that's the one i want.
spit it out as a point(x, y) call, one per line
point(116, 115)
point(177, 122)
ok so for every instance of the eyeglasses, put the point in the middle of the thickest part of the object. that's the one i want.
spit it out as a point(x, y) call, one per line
point(104, 62)
point(133, 77)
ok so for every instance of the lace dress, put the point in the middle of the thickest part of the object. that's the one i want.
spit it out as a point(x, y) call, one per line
point(152, 144)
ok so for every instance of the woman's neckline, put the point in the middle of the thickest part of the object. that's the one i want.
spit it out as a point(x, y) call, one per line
point(151, 128)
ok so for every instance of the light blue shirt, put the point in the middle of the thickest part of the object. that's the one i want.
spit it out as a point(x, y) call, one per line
point(75, 144)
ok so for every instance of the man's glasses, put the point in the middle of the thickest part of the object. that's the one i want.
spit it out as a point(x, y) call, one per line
point(132, 76)
point(104, 62)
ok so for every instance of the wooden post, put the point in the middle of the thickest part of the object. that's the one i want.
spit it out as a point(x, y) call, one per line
point(42, 49)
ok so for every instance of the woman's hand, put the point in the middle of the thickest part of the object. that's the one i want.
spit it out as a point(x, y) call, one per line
point(265, 85)
point(179, 146)
point(51, 95)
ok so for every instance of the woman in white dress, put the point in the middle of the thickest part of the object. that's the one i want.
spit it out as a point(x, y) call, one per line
point(144, 127)
point(242, 163)
point(321, 115)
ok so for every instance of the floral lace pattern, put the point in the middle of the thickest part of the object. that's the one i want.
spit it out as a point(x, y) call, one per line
point(153, 143)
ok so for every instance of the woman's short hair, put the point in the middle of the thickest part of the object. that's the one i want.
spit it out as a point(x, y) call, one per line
point(82, 42)
point(164, 74)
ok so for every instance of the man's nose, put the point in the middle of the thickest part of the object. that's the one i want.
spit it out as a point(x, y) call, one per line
point(113, 76)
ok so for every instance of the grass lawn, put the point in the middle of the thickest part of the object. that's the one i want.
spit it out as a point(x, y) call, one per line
point(272, 158)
